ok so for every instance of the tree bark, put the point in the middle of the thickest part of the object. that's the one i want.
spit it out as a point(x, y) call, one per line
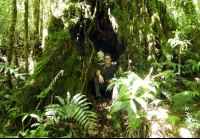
point(41, 22)
point(26, 36)
point(36, 24)
point(11, 39)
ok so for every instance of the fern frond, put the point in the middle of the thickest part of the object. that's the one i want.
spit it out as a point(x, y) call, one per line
point(76, 108)
point(174, 119)
point(39, 67)
point(136, 123)
point(166, 73)
point(61, 100)
point(166, 93)
point(185, 97)
point(45, 92)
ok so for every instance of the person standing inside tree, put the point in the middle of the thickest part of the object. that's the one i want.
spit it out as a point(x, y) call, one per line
point(104, 75)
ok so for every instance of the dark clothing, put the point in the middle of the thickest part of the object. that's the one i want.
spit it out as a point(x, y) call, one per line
point(107, 72)
point(100, 88)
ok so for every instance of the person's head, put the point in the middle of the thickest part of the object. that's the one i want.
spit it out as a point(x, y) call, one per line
point(107, 58)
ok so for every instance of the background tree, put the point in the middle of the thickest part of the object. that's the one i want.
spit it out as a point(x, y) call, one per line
point(36, 37)
point(11, 38)
point(26, 36)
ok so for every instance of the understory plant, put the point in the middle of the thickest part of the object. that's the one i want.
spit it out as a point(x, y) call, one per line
point(59, 120)
point(134, 95)
point(8, 97)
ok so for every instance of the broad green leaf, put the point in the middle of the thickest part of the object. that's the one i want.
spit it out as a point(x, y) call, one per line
point(126, 96)
point(122, 91)
point(118, 106)
point(130, 114)
point(142, 102)
point(132, 104)
point(135, 87)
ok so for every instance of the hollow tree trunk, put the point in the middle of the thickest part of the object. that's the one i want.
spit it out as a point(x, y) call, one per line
point(69, 40)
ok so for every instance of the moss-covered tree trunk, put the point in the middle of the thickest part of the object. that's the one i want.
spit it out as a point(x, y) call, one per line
point(36, 37)
point(11, 39)
point(136, 28)
point(26, 36)
point(41, 20)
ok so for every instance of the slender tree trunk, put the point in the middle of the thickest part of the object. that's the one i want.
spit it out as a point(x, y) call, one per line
point(36, 19)
point(41, 21)
point(15, 54)
point(36, 24)
point(11, 39)
point(26, 36)
point(179, 60)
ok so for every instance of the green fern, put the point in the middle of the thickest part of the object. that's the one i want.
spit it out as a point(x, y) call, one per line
point(69, 109)
point(173, 119)
point(191, 66)
point(185, 98)
point(44, 93)
point(165, 74)
point(136, 123)
point(166, 93)
point(39, 67)
point(77, 108)
point(170, 64)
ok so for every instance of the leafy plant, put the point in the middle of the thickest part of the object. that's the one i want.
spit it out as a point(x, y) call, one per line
point(44, 93)
point(133, 91)
point(10, 68)
point(76, 108)
point(9, 96)
point(185, 99)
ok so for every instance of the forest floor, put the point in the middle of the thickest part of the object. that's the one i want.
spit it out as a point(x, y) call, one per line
point(105, 127)
point(155, 126)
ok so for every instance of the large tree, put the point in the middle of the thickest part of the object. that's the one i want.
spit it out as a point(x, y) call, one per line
point(72, 35)
point(138, 29)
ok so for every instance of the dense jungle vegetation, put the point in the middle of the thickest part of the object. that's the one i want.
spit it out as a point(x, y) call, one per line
point(50, 50)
